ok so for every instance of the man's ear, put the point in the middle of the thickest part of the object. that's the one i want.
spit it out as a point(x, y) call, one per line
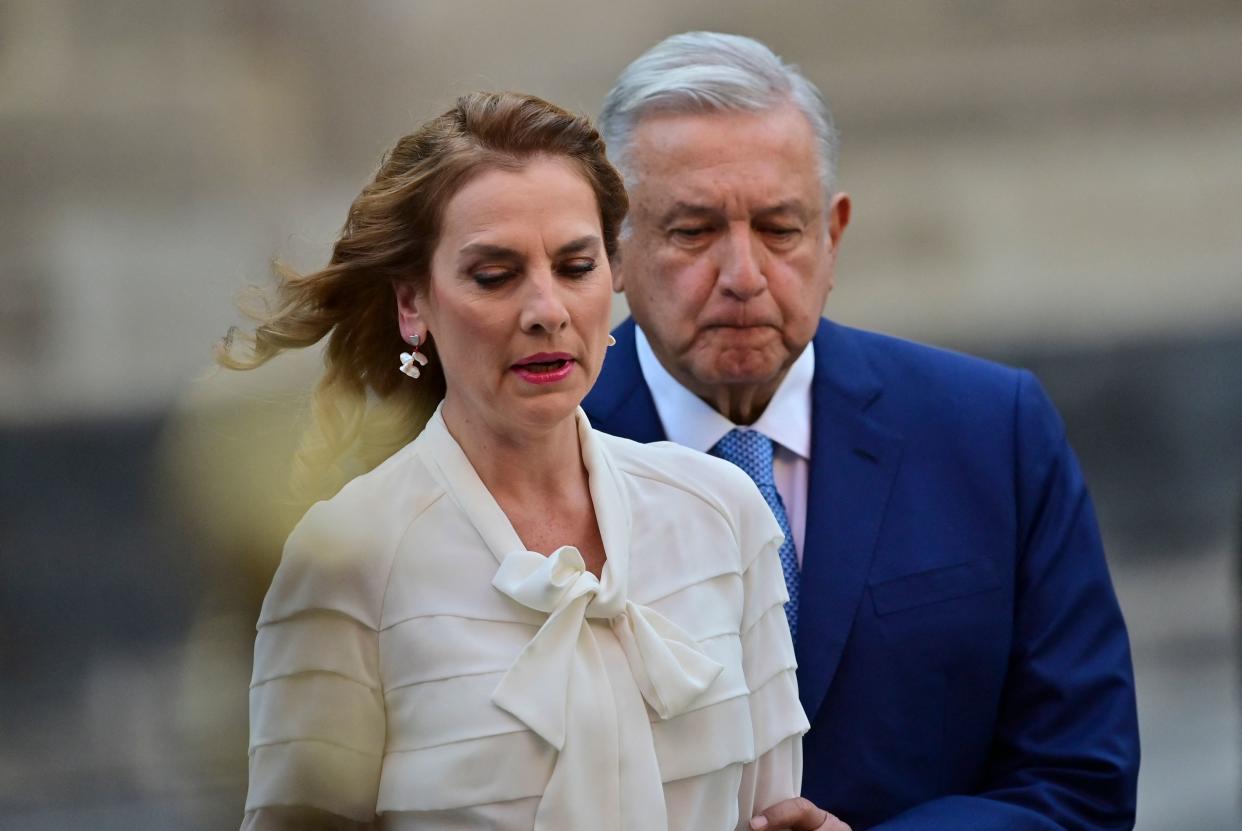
point(410, 319)
point(616, 266)
point(838, 217)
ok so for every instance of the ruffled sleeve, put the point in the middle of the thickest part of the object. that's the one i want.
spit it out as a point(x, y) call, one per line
point(768, 663)
point(317, 722)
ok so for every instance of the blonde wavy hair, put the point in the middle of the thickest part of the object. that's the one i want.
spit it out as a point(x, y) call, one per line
point(363, 409)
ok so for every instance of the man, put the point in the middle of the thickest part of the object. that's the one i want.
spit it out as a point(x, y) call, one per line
point(962, 657)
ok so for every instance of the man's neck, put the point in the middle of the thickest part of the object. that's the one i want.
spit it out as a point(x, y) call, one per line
point(740, 403)
point(694, 417)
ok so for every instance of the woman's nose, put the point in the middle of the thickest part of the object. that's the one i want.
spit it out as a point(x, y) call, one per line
point(543, 308)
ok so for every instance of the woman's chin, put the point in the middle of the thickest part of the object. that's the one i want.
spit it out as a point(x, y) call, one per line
point(552, 406)
point(542, 409)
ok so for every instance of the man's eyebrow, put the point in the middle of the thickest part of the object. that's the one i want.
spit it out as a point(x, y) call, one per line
point(691, 210)
point(688, 210)
point(589, 242)
point(789, 206)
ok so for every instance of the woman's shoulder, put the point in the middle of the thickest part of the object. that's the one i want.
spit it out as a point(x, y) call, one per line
point(664, 464)
point(676, 465)
point(715, 484)
point(339, 555)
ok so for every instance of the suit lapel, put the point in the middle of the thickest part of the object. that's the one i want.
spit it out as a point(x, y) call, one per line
point(853, 462)
point(620, 402)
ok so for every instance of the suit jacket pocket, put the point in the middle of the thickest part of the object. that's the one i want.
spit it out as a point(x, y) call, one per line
point(925, 587)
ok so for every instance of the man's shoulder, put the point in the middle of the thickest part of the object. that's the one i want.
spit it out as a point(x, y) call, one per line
point(619, 370)
point(892, 354)
point(913, 374)
point(948, 403)
point(620, 401)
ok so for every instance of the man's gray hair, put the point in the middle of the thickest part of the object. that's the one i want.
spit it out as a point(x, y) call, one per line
point(698, 72)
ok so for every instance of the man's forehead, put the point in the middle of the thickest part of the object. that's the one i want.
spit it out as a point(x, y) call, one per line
point(713, 207)
point(674, 149)
point(674, 131)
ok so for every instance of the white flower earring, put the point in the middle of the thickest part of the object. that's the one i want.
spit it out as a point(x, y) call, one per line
point(412, 360)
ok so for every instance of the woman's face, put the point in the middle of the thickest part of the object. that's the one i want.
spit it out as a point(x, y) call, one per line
point(518, 299)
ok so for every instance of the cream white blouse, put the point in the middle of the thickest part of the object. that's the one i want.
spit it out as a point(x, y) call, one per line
point(417, 667)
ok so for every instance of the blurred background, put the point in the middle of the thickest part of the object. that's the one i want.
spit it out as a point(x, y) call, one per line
point(1057, 185)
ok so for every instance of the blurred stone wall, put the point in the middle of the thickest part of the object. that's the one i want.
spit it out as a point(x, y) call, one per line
point(1039, 174)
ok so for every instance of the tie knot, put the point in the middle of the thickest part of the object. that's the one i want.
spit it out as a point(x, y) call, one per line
point(751, 451)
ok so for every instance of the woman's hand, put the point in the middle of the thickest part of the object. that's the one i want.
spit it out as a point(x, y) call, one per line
point(797, 814)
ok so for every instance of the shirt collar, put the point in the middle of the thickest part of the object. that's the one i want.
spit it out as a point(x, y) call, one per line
point(692, 422)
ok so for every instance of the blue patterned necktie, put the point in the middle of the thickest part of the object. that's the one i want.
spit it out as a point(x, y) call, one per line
point(752, 452)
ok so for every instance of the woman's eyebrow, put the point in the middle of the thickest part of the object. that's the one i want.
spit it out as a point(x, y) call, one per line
point(587, 243)
point(483, 249)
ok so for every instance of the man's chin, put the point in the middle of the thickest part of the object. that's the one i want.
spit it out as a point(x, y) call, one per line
point(739, 370)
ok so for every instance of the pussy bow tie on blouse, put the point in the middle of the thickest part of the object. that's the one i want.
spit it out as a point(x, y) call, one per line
point(559, 688)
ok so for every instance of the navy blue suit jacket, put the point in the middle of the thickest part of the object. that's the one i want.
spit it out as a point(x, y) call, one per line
point(961, 655)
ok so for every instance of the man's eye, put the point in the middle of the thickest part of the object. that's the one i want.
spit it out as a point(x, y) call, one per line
point(691, 232)
point(781, 237)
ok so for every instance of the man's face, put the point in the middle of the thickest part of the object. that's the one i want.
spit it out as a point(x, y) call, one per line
point(732, 247)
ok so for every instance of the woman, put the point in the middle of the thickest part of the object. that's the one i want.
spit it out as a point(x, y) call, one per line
point(513, 621)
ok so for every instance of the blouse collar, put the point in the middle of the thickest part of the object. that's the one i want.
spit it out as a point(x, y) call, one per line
point(611, 503)
point(557, 682)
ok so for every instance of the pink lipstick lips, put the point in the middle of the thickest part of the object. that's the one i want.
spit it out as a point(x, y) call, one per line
point(545, 367)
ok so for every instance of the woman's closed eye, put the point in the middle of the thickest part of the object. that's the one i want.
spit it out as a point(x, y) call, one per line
point(491, 277)
point(577, 267)
point(495, 277)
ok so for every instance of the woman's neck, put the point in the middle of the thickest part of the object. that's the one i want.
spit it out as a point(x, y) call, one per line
point(538, 479)
point(518, 464)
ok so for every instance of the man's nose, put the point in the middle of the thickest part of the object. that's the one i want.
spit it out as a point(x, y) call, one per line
point(543, 308)
point(741, 264)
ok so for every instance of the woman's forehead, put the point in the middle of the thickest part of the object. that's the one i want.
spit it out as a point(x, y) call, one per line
point(548, 196)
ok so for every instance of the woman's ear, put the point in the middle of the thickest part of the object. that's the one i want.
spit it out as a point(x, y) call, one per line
point(410, 319)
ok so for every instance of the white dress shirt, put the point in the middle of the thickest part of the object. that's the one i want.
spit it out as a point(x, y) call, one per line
point(692, 422)
point(417, 667)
